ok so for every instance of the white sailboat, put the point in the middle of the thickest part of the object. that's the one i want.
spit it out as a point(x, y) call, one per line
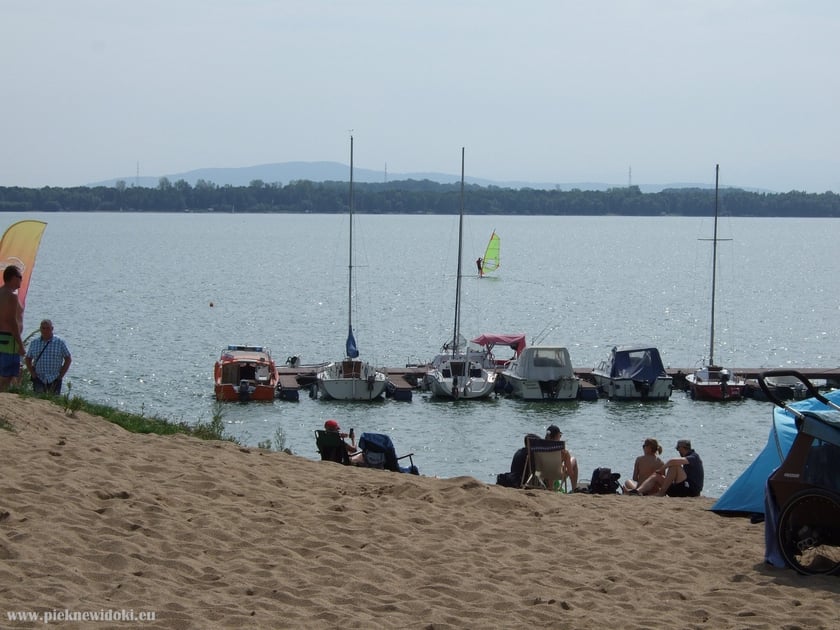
point(713, 382)
point(351, 378)
point(457, 374)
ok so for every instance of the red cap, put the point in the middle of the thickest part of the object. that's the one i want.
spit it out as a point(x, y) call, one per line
point(331, 425)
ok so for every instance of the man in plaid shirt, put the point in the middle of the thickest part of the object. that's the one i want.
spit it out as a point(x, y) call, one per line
point(47, 359)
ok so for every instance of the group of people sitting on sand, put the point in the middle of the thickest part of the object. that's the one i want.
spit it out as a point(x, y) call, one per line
point(677, 477)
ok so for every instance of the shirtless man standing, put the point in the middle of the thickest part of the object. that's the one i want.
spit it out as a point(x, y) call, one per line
point(11, 324)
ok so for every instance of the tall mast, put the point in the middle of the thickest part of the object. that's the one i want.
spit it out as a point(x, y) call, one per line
point(350, 255)
point(714, 272)
point(457, 334)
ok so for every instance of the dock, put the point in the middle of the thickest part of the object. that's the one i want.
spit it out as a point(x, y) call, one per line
point(288, 387)
point(403, 381)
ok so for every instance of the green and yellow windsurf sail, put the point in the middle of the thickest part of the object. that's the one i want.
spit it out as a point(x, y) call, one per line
point(490, 261)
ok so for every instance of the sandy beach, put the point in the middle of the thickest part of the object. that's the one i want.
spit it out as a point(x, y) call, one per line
point(97, 520)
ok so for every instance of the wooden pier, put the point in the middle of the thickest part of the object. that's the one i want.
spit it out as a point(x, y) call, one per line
point(402, 382)
point(830, 375)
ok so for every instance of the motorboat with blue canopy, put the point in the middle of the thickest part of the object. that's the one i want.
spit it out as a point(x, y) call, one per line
point(633, 372)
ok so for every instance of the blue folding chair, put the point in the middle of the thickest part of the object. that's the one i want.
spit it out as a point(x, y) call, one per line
point(379, 452)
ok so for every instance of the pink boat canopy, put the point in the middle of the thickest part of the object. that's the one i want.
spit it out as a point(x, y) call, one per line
point(515, 342)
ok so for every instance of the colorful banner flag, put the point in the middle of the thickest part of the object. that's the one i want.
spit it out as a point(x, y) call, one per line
point(18, 247)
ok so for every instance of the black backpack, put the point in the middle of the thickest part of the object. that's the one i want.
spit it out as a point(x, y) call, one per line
point(604, 481)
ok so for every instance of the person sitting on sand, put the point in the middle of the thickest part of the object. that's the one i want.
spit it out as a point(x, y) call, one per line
point(356, 458)
point(679, 477)
point(570, 462)
point(646, 465)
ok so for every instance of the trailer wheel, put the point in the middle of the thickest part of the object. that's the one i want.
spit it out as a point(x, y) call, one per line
point(809, 532)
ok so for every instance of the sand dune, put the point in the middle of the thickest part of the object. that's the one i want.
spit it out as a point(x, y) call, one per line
point(212, 535)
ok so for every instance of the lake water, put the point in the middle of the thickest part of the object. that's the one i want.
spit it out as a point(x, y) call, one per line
point(147, 301)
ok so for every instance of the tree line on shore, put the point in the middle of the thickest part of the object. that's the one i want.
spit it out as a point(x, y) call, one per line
point(413, 197)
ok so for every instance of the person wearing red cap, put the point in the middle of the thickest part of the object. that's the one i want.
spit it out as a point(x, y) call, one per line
point(333, 427)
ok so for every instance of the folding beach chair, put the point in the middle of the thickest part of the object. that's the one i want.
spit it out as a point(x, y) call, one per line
point(545, 458)
point(331, 447)
point(379, 452)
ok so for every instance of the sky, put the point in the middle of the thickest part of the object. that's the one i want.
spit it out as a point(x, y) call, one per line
point(611, 91)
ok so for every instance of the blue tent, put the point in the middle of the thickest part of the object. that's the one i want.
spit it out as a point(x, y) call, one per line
point(746, 494)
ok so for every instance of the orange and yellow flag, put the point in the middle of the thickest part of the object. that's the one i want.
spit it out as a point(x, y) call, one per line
point(18, 247)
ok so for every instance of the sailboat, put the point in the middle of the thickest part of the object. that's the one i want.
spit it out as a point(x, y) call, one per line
point(352, 378)
point(456, 373)
point(490, 261)
point(713, 382)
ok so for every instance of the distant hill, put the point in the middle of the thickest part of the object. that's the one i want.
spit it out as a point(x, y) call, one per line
point(284, 172)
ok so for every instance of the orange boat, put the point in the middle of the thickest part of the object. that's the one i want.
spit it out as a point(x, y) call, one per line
point(245, 373)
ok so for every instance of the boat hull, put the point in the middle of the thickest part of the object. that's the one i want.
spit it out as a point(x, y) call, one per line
point(528, 389)
point(718, 393)
point(231, 393)
point(473, 389)
point(351, 380)
point(629, 389)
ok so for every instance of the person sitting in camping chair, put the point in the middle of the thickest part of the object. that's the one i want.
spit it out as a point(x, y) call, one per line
point(332, 447)
point(570, 461)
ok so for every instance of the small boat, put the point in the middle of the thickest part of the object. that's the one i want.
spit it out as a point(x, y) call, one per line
point(490, 261)
point(458, 374)
point(352, 378)
point(542, 373)
point(790, 387)
point(245, 373)
point(712, 382)
point(633, 372)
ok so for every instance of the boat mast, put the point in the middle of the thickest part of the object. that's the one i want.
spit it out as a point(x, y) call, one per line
point(457, 334)
point(350, 255)
point(714, 272)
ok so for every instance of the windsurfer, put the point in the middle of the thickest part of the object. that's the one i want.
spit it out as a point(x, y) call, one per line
point(479, 264)
point(490, 260)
